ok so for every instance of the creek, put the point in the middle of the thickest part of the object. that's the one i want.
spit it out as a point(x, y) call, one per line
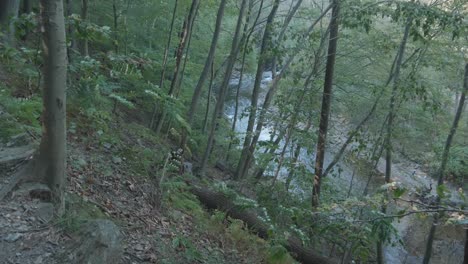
point(448, 247)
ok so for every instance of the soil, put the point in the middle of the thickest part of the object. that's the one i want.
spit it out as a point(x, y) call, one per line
point(126, 199)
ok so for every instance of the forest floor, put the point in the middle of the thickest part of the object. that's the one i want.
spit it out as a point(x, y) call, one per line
point(102, 184)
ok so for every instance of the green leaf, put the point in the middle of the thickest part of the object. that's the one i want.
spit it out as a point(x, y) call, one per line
point(398, 192)
point(441, 190)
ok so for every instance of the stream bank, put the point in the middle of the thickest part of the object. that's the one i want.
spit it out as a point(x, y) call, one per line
point(448, 246)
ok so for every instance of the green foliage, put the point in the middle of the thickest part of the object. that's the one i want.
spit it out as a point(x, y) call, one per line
point(25, 111)
point(191, 254)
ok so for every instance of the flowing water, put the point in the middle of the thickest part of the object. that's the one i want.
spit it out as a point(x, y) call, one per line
point(448, 245)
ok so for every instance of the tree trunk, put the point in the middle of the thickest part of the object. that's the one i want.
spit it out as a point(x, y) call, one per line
point(50, 164)
point(269, 98)
point(224, 85)
point(326, 103)
point(8, 13)
point(340, 153)
point(214, 200)
point(83, 44)
point(263, 58)
point(287, 20)
point(465, 261)
point(208, 101)
point(176, 78)
point(116, 26)
point(391, 116)
point(187, 52)
point(186, 29)
point(70, 30)
point(443, 165)
point(26, 8)
point(208, 63)
point(245, 41)
point(164, 62)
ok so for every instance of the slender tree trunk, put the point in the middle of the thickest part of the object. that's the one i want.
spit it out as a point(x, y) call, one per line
point(168, 45)
point(443, 166)
point(8, 13)
point(465, 261)
point(50, 163)
point(187, 53)
point(184, 36)
point(245, 41)
point(84, 17)
point(208, 62)
point(70, 30)
point(264, 54)
point(281, 158)
point(26, 8)
point(116, 26)
point(326, 103)
point(186, 29)
point(208, 101)
point(224, 85)
point(351, 136)
point(271, 151)
point(288, 19)
point(269, 98)
point(391, 117)
point(164, 62)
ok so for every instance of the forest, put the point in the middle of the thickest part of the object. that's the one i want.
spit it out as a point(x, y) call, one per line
point(233, 131)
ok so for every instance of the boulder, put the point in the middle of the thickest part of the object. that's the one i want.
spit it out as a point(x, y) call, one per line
point(99, 242)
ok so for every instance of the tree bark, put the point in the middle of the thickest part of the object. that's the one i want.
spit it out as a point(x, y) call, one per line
point(391, 117)
point(326, 103)
point(214, 200)
point(83, 44)
point(208, 62)
point(185, 34)
point(50, 163)
point(8, 13)
point(224, 85)
point(351, 136)
point(263, 58)
point(245, 41)
point(186, 29)
point(116, 26)
point(269, 98)
point(164, 62)
point(443, 165)
point(208, 100)
point(26, 8)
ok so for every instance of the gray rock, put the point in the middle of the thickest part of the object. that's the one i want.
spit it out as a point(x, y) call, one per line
point(81, 162)
point(12, 237)
point(19, 140)
point(188, 167)
point(117, 160)
point(99, 242)
point(44, 212)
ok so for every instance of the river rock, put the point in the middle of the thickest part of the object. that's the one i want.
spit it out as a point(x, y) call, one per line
point(99, 242)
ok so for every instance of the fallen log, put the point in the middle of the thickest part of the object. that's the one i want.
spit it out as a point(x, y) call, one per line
point(217, 200)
